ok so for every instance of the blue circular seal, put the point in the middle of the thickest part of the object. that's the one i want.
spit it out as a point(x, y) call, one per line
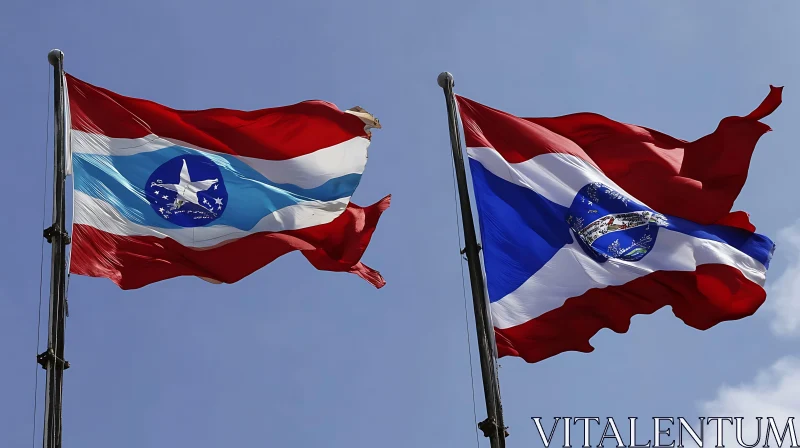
point(608, 224)
point(187, 191)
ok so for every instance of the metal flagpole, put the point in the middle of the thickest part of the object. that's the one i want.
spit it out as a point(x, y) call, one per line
point(493, 426)
point(52, 359)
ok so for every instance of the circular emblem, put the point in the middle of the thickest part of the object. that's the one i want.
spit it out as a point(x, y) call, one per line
point(188, 191)
point(608, 224)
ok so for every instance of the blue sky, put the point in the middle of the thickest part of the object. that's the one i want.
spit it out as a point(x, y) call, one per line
point(295, 357)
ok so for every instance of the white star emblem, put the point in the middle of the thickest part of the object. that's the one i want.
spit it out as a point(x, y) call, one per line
point(165, 197)
point(155, 192)
point(161, 210)
point(218, 201)
point(187, 189)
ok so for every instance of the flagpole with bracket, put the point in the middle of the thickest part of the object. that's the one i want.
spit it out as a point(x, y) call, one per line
point(52, 359)
point(492, 427)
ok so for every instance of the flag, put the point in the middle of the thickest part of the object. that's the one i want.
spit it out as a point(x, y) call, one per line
point(216, 193)
point(586, 222)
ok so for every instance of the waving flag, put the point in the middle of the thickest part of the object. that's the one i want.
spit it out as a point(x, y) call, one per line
point(214, 193)
point(586, 222)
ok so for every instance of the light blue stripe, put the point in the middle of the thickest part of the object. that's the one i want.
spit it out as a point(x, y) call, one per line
point(120, 181)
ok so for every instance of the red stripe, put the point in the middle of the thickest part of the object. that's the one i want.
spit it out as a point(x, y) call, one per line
point(277, 133)
point(712, 294)
point(659, 170)
point(133, 262)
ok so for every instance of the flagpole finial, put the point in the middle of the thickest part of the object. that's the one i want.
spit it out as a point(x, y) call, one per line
point(55, 56)
point(445, 79)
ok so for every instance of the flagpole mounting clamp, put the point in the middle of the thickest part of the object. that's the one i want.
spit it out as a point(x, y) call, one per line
point(48, 358)
point(54, 231)
point(489, 427)
point(464, 250)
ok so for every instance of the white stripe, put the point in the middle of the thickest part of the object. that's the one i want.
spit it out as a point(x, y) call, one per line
point(67, 128)
point(556, 176)
point(571, 273)
point(306, 171)
point(103, 216)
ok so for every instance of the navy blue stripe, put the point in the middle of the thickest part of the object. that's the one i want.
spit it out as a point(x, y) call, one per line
point(521, 231)
point(757, 246)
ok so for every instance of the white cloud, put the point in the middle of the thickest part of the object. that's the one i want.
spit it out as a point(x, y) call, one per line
point(775, 392)
point(783, 296)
